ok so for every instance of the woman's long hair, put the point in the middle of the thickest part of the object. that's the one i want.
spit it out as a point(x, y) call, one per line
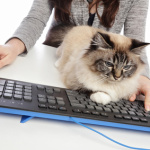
point(63, 7)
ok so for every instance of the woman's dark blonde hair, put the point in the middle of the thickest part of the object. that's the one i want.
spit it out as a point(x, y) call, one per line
point(63, 7)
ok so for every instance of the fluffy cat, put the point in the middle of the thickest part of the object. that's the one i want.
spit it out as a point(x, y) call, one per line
point(104, 63)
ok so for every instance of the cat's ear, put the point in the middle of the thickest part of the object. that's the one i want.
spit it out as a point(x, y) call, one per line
point(101, 40)
point(137, 46)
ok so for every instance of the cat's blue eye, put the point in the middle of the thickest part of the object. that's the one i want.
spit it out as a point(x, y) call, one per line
point(109, 64)
point(127, 67)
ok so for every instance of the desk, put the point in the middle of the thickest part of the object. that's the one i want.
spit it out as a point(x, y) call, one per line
point(43, 134)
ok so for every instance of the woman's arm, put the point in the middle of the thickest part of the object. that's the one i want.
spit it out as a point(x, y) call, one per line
point(135, 24)
point(134, 27)
point(34, 23)
point(27, 33)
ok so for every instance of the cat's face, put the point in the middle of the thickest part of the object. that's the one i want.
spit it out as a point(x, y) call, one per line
point(114, 57)
point(116, 66)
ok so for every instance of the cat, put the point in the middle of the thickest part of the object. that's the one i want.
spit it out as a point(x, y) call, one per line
point(91, 59)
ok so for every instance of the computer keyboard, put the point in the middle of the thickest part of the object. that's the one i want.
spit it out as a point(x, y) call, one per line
point(35, 100)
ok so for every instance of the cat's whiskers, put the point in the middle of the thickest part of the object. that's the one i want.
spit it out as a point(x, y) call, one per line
point(102, 79)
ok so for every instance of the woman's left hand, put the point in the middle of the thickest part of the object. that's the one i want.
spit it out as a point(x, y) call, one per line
point(144, 89)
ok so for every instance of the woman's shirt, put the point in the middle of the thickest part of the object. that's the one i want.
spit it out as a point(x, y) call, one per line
point(131, 16)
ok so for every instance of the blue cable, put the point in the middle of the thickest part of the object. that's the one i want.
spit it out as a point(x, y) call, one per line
point(107, 136)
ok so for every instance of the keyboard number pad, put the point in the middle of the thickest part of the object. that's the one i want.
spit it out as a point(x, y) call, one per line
point(17, 91)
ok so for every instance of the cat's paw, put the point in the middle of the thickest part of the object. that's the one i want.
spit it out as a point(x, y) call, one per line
point(100, 97)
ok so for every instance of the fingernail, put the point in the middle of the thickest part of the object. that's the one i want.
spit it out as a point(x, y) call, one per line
point(147, 107)
point(131, 98)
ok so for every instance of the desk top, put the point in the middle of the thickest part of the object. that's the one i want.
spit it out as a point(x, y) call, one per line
point(39, 134)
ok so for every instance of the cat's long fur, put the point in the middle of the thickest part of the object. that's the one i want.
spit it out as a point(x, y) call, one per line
point(82, 59)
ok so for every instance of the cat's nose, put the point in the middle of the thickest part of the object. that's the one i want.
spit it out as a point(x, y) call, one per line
point(116, 78)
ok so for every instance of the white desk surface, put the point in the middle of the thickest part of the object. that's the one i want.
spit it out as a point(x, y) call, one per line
point(44, 134)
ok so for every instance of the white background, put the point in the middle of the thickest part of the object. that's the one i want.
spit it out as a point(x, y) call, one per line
point(13, 11)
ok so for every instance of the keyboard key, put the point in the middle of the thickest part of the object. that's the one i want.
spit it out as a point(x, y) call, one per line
point(41, 96)
point(40, 87)
point(1, 88)
point(42, 100)
point(115, 110)
point(118, 116)
point(139, 114)
point(99, 108)
point(49, 91)
point(2, 82)
point(18, 92)
point(19, 86)
point(124, 108)
point(42, 106)
point(104, 114)
point(17, 97)
point(95, 113)
point(52, 107)
point(80, 98)
point(90, 107)
point(70, 92)
point(9, 88)
point(8, 91)
point(77, 105)
point(8, 95)
point(23, 83)
point(127, 117)
point(108, 106)
point(10, 85)
point(51, 97)
point(135, 118)
point(27, 98)
point(92, 103)
point(143, 120)
point(124, 112)
point(76, 101)
point(52, 101)
point(62, 103)
point(72, 98)
point(84, 102)
point(18, 89)
point(76, 110)
point(11, 82)
point(28, 87)
point(57, 90)
point(107, 109)
point(27, 94)
point(131, 113)
point(27, 91)
point(147, 115)
point(86, 112)
point(62, 108)
point(116, 107)
point(59, 98)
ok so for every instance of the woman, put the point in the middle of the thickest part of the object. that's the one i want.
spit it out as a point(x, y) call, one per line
point(110, 15)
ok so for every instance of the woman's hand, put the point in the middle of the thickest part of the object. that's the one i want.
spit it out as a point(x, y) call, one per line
point(144, 89)
point(10, 51)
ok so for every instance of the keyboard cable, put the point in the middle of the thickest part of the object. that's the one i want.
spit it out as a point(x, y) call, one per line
point(130, 147)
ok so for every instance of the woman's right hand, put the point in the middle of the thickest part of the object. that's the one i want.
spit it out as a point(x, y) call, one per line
point(10, 51)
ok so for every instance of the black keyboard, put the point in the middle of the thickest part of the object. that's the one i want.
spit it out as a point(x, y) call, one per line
point(35, 100)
